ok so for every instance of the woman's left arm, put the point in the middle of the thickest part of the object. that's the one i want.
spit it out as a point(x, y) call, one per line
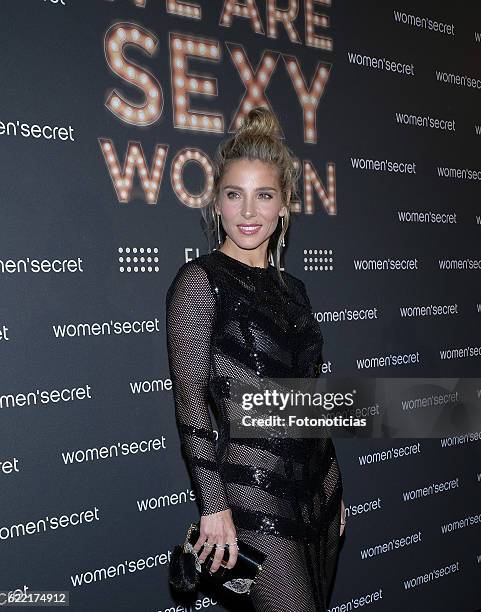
point(343, 518)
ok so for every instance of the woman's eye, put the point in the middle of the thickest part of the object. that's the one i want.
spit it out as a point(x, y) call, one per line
point(263, 193)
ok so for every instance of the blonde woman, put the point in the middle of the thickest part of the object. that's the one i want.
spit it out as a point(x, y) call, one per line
point(230, 314)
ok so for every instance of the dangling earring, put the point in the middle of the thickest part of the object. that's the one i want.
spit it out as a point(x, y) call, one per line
point(218, 229)
point(282, 222)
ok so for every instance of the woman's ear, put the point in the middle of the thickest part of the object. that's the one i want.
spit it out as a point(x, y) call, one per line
point(286, 206)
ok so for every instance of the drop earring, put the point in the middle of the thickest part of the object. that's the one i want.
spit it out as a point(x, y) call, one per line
point(218, 229)
point(282, 222)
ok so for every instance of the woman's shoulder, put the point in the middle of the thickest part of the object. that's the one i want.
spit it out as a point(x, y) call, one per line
point(194, 266)
point(191, 278)
point(296, 287)
point(294, 282)
point(289, 277)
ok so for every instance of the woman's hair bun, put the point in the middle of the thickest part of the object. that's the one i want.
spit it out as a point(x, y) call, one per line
point(260, 121)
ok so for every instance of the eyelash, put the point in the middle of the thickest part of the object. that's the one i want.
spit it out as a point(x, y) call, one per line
point(262, 192)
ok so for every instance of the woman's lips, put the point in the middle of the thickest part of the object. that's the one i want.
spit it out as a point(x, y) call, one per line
point(248, 230)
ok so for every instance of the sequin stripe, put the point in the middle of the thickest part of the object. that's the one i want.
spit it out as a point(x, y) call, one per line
point(276, 321)
point(287, 448)
point(246, 356)
point(266, 480)
point(262, 522)
point(203, 463)
point(199, 432)
point(261, 478)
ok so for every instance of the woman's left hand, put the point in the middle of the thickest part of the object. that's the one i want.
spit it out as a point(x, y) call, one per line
point(343, 517)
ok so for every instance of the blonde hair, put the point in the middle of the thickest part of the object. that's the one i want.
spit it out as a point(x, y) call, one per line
point(258, 138)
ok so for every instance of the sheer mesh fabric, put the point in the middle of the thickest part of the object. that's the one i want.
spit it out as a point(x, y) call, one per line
point(191, 312)
point(226, 320)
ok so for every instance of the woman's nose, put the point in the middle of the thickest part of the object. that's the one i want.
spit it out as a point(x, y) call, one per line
point(249, 208)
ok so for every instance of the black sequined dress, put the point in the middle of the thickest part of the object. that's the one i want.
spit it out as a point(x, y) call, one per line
point(227, 319)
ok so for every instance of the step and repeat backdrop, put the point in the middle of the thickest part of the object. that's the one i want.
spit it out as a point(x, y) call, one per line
point(110, 114)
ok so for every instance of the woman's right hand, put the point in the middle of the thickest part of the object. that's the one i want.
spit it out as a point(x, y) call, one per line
point(217, 528)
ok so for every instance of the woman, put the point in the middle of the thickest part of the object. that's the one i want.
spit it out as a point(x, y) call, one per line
point(232, 315)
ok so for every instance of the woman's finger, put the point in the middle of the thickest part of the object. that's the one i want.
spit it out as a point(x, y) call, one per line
point(218, 556)
point(233, 554)
point(204, 546)
point(200, 541)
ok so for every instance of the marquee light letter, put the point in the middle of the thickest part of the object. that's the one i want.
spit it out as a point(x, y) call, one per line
point(255, 82)
point(285, 16)
point(317, 19)
point(308, 98)
point(247, 9)
point(184, 9)
point(296, 204)
point(311, 179)
point(183, 157)
point(116, 38)
point(122, 179)
point(183, 83)
point(140, 3)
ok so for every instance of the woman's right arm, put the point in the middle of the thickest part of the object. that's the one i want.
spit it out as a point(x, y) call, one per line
point(190, 317)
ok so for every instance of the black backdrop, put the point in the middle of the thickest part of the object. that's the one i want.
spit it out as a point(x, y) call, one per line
point(94, 491)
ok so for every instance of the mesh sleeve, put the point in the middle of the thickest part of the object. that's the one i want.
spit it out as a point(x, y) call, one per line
point(190, 317)
point(318, 359)
point(333, 478)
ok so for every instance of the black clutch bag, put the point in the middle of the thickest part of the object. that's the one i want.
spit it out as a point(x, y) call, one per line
point(186, 572)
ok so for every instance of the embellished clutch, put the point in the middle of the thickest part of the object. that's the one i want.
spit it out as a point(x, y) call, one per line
point(186, 572)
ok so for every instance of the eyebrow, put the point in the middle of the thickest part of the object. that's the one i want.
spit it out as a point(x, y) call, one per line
point(267, 188)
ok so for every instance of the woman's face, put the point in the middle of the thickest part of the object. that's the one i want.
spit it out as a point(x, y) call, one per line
point(250, 202)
